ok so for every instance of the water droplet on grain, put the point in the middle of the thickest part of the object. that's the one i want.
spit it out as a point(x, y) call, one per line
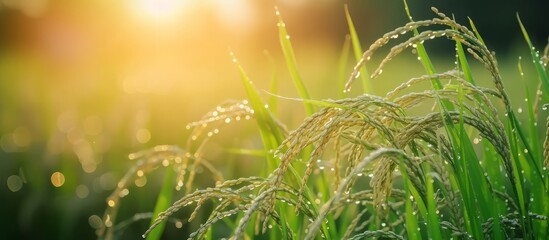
point(476, 140)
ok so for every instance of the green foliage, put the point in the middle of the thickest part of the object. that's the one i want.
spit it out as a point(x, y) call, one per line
point(372, 166)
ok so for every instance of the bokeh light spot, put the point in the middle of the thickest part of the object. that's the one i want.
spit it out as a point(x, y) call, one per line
point(82, 191)
point(143, 135)
point(57, 179)
point(140, 182)
point(111, 203)
point(95, 221)
point(178, 224)
point(15, 183)
point(107, 181)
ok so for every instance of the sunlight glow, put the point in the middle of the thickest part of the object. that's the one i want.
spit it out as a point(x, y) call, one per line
point(159, 10)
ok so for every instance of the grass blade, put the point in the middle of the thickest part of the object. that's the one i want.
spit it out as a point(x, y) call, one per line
point(344, 57)
point(273, 101)
point(357, 51)
point(289, 56)
point(540, 69)
point(162, 203)
point(270, 132)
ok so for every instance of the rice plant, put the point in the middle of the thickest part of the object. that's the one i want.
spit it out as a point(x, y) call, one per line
point(374, 166)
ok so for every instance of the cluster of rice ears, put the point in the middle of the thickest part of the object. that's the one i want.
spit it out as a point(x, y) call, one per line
point(370, 166)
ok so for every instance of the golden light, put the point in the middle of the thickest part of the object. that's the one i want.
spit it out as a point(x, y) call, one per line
point(159, 10)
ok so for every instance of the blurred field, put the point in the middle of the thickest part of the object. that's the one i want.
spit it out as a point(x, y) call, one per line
point(84, 84)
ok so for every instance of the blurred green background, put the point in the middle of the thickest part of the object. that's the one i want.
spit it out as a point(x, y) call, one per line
point(85, 83)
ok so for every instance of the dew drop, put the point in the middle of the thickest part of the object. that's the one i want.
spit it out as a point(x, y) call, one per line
point(519, 110)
